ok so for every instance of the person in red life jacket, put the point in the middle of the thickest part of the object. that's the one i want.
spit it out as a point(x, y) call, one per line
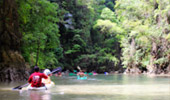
point(36, 78)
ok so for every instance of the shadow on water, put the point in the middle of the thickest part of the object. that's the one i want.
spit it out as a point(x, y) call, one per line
point(100, 87)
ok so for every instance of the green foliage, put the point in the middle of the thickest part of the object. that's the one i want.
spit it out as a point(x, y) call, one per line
point(112, 58)
point(110, 4)
point(161, 60)
point(110, 32)
point(106, 26)
point(109, 15)
point(76, 48)
point(145, 22)
point(103, 34)
point(40, 32)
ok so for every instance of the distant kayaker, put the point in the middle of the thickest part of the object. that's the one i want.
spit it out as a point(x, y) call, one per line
point(94, 73)
point(36, 78)
point(48, 80)
point(58, 74)
point(81, 73)
point(106, 73)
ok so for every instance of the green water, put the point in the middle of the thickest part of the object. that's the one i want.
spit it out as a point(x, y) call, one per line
point(100, 87)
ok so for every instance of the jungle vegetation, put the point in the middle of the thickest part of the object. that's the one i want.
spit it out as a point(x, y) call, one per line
point(97, 35)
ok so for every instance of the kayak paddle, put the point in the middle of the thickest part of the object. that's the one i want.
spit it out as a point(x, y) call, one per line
point(21, 86)
point(78, 68)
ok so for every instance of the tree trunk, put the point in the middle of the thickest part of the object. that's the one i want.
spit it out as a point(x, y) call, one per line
point(12, 64)
point(152, 68)
point(38, 50)
point(132, 66)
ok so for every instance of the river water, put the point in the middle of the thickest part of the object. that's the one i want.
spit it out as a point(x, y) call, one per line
point(99, 87)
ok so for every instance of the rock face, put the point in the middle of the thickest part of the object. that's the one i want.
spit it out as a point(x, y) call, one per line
point(12, 64)
point(12, 67)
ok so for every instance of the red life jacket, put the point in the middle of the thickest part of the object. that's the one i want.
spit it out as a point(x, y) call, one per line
point(36, 79)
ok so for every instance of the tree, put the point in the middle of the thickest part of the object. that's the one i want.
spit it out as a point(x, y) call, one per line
point(145, 25)
point(12, 64)
point(40, 32)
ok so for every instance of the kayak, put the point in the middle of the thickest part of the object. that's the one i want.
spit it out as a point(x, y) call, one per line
point(72, 74)
point(46, 87)
point(50, 85)
point(81, 78)
point(90, 73)
point(37, 88)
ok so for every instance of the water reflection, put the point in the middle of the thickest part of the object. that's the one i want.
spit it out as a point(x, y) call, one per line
point(115, 89)
point(100, 87)
point(39, 95)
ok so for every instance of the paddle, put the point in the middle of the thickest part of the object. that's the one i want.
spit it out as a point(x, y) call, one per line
point(78, 68)
point(21, 86)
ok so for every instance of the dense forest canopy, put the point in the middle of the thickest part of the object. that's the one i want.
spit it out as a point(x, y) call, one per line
point(97, 35)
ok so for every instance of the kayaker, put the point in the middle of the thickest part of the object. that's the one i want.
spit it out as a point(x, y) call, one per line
point(35, 78)
point(58, 74)
point(48, 80)
point(106, 73)
point(81, 73)
point(94, 73)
